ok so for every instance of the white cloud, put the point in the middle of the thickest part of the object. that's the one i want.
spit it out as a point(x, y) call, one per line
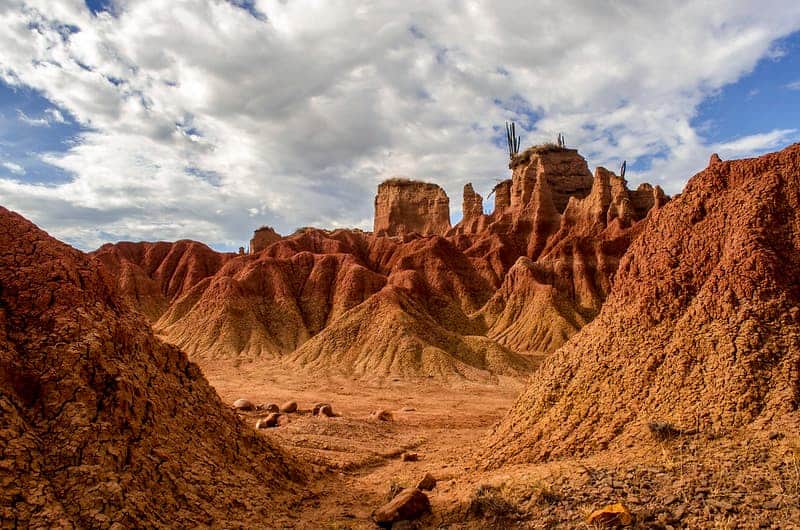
point(200, 114)
point(795, 85)
point(49, 116)
point(16, 169)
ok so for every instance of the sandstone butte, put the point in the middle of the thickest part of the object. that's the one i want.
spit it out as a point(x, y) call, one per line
point(101, 421)
point(415, 297)
point(701, 330)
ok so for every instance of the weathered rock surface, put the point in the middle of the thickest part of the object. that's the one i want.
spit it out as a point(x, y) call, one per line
point(99, 418)
point(701, 330)
point(408, 505)
point(404, 206)
point(262, 238)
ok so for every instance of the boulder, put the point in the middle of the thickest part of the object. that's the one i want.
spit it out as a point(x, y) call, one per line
point(243, 404)
point(269, 421)
point(408, 505)
point(427, 483)
point(289, 407)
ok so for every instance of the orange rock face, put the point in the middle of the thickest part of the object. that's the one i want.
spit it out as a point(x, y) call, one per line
point(102, 423)
point(262, 238)
point(464, 301)
point(700, 330)
point(405, 206)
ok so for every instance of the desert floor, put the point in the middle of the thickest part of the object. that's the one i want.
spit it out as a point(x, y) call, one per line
point(748, 480)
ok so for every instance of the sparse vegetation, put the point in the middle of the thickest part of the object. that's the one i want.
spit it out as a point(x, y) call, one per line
point(513, 140)
point(490, 502)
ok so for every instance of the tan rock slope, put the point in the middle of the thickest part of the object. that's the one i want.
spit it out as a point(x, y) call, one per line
point(103, 425)
point(701, 330)
point(416, 297)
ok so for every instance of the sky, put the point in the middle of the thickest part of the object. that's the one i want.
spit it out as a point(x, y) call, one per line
point(204, 119)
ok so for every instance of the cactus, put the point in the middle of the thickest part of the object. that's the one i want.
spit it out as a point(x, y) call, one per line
point(513, 140)
point(561, 141)
point(622, 168)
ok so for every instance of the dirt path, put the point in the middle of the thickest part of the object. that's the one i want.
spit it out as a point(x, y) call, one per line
point(359, 458)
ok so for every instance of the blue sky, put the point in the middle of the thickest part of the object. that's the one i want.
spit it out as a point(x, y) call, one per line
point(203, 119)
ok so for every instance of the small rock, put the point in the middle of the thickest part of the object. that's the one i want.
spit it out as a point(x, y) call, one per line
point(316, 407)
point(289, 407)
point(403, 525)
point(772, 505)
point(775, 436)
point(243, 404)
point(326, 410)
point(427, 483)
point(611, 516)
point(269, 421)
point(679, 512)
point(272, 407)
point(410, 457)
point(408, 409)
point(381, 415)
point(408, 505)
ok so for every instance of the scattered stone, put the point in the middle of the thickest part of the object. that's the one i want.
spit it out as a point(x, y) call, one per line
point(408, 505)
point(269, 421)
point(316, 407)
point(289, 407)
point(272, 407)
point(663, 431)
point(775, 436)
point(381, 415)
point(427, 483)
point(408, 409)
point(326, 410)
point(410, 457)
point(243, 404)
point(611, 516)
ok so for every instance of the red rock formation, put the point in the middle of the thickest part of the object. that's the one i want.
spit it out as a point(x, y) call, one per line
point(262, 238)
point(103, 425)
point(298, 298)
point(405, 206)
point(472, 207)
point(700, 330)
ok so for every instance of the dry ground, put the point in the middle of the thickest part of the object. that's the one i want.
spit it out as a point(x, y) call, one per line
point(748, 480)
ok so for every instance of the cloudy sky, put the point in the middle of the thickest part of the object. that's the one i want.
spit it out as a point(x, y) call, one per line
point(202, 119)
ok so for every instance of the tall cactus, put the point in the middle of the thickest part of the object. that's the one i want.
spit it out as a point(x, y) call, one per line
point(622, 168)
point(561, 141)
point(512, 139)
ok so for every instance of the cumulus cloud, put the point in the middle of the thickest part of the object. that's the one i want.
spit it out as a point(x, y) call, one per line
point(794, 85)
point(206, 118)
point(14, 168)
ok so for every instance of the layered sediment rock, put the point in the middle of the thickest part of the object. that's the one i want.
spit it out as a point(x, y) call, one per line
point(701, 330)
point(262, 238)
point(404, 206)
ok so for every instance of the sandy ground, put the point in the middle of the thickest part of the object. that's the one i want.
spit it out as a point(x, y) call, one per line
point(747, 481)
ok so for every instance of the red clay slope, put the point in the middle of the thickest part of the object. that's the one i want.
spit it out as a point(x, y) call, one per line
point(103, 424)
point(701, 330)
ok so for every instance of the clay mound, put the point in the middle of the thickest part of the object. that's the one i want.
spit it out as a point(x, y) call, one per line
point(391, 334)
point(103, 424)
point(150, 275)
point(265, 307)
point(701, 330)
